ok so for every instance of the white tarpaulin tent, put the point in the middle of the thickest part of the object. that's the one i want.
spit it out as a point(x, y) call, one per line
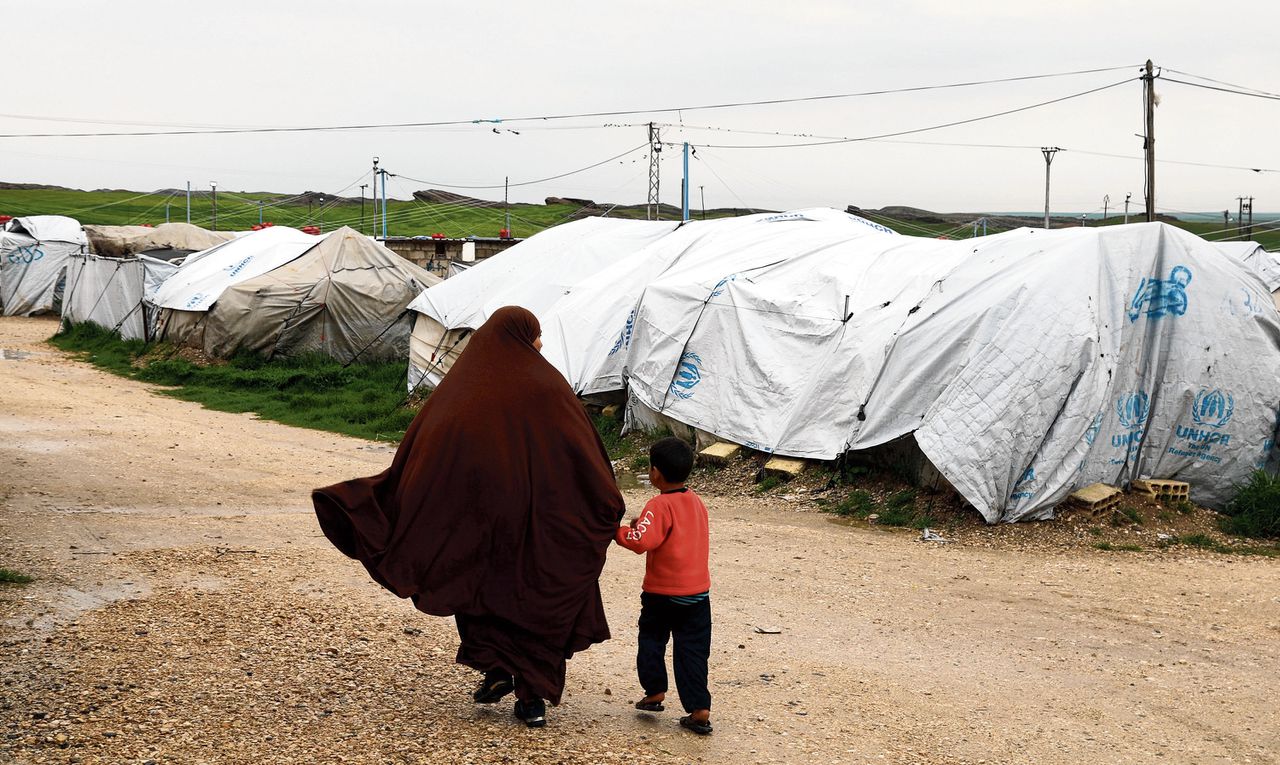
point(33, 259)
point(109, 292)
point(1267, 264)
point(586, 334)
point(281, 292)
point(1026, 364)
point(533, 274)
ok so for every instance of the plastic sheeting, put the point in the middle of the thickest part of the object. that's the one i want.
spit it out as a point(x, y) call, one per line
point(344, 296)
point(110, 292)
point(586, 334)
point(1026, 364)
point(122, 241)
point(33, 260)
point(205, 275)
point(534, 274)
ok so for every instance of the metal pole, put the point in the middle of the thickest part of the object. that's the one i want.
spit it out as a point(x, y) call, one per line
point(1106, 201)
point(321, 200)
point(1048, 152)
point(375, 196)
point(188, 201)
point(166, 212)
point(703, 194)
point(214, 185)
point(684, 187)
point(384, 205)
point(1126, 206)
point(363, 186)
point(259, 212)
point(506, 209)
point(1149, 89)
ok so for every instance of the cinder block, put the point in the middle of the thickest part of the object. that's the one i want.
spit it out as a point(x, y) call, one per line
point(784, 467)
point(1097, 497)
point(1163, 488)
point(719, 453)
point(612, 411)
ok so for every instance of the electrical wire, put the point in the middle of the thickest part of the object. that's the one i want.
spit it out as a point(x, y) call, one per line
point(580, 115)
point(924, 129)
point(1220, 82)
point(1251, 94)
point(528, 183)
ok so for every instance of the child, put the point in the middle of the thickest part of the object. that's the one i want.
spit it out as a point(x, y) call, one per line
point(676, 600)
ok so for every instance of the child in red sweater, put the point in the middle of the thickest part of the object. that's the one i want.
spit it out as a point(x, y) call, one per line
point(676, 602)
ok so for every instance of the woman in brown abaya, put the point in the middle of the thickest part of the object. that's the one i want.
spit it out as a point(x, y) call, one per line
point(497, 510)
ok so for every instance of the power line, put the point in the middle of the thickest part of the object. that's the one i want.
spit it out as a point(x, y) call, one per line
point(1220, 82)
point(1251, 94)
point(528, 183)
point(579, 115)
point(923, 129)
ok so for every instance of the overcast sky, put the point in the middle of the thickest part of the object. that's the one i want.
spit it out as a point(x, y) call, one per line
point(274, 63)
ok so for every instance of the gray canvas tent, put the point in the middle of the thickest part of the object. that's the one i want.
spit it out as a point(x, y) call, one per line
point(160, 241)
point(279, 292)
point(109, 292)
point(33, 260)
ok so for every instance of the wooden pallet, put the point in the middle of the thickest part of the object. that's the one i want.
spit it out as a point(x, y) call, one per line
point(1097, 497)
point(1163, 488)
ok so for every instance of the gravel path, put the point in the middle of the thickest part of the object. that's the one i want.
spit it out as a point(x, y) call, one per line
point(187, 610)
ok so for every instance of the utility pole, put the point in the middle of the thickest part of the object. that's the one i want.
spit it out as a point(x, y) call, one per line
point(506, 207)
point(375, 196)
point(214, 185)
point(1226, 219)
point(166, 211)
point(652, 210)
point(703, 194)
point(1048, 152)
point(1126, 205)
point(1149, 140)
point(188, 201)
point(259, 212)
point(363, 186)
point(321, 201)
point(1106, 200)
point(684, 187)
point(1244, 232)
point(384, 204)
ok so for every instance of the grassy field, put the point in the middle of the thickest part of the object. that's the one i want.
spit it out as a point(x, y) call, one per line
point(362, 400)
point(239, 211)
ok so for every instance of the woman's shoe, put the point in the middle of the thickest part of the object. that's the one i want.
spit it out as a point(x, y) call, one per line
point(534, 713)
point(495, 685)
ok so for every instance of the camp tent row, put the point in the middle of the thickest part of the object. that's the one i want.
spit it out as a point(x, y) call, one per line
point(1022, 365)
point(34, 252)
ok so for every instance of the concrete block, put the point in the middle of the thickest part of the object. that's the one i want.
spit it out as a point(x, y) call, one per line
point(785, 468)
point(1163, 488)
point(612, 411)
point(719, 453)
point(1097, 497)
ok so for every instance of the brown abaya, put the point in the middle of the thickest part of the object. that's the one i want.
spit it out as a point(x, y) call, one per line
point(498, 509)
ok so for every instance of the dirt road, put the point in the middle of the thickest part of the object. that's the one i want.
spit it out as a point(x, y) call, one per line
point(187, 610)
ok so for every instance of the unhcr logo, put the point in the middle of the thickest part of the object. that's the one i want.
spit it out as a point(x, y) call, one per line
point(1158, 297)
point(1213, 408)
point(688, 375)
point(624, 337)
point(237, 268)
point(1091, 434)
point(718, 290)
point(1133, 409)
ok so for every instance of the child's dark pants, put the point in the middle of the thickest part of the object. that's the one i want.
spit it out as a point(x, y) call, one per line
point(690, 625)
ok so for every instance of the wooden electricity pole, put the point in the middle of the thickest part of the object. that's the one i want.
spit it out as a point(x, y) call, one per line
point(1149, 99)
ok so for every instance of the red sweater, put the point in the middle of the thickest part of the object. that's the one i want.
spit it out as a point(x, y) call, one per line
point(674, 531)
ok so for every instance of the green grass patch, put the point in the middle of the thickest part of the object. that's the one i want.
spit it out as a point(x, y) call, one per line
point(1118, 547)
point(362, 400)
point(1255, 509)
point(859, 504)
point(9, 576)
point(1206, 542)
point(1184, 506)
point(768, 483)
point(900, 510)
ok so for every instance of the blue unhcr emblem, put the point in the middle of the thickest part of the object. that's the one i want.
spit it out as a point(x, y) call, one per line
point(1091, 434)
point(1133, 409)
point(1160, 297)
point(688, 375)
point(1213, 408)
point(624, 337)
point(718, 290)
